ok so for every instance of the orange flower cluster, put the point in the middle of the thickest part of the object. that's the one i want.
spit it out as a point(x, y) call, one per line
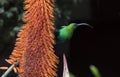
point(34, 45)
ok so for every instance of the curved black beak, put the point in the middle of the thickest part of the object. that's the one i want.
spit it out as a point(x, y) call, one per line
point(84, 24)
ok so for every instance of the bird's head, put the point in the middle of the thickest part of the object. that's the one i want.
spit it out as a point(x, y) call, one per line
point(72, 26)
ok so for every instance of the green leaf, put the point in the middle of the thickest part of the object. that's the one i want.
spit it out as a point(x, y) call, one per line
point(71, 75)
point(8, 14)
point(2, 10)
point(95, 71)
point(13, 9)
point(1, 22)
point(3, 2)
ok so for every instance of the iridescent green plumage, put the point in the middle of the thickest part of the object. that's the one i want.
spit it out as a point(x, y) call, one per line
point(66, 32)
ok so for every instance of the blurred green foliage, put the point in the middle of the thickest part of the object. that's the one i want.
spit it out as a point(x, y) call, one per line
point(10, 22)
point(11, 12)
point(95, 71)
point(71, 75)
point(63, 11)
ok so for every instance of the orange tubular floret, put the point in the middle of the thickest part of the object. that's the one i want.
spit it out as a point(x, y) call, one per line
point(34, 46)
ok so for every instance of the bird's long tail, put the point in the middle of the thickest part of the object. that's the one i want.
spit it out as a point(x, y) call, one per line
point(65, 67)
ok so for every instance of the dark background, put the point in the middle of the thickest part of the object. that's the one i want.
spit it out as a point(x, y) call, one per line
point(98, 46)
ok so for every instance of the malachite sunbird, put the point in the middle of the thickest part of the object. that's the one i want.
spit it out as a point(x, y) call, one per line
point(66, 32)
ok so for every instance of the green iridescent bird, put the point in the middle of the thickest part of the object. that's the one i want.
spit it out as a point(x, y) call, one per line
point(66, 32)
